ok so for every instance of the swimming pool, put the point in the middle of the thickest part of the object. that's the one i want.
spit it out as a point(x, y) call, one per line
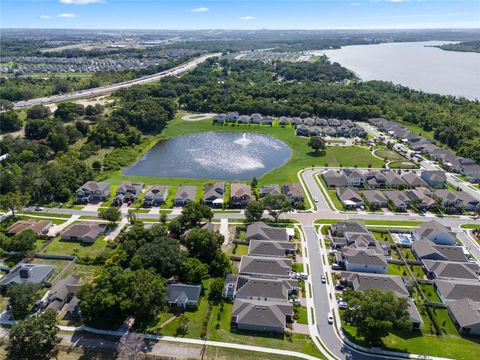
point(404, 239)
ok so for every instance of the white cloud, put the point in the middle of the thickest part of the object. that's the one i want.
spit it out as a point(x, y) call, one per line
point(80, 2)
point(66, 15)
point(200, 10)
point(45, 17)
point(247, 18)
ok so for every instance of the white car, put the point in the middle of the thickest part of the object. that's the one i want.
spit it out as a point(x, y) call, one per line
point(315, 199)
point(330, 318)
point(324, 279)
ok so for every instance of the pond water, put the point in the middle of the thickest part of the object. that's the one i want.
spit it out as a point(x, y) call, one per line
point(417, 65)
point(213, 155)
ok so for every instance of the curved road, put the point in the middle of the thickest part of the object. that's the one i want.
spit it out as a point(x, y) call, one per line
point(111, 88)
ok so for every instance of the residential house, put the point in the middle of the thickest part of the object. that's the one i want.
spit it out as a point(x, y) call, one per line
point(357, 131)
point(315, 131)
point(471, 171)
point(261, 316)
point(267, 120)
point(435, 232)
point(321, 122)
point(62, 293)
point(343, 131)
point(28, 273)
point(421, 198)
point(93, 191)
point(308, 121)
point(261, 231)
point(354, 177)
point(265, 267)
point(184, 195)
point(296, 121)
point(86, 233)
point(334, 122)
point(343, 227)
point(155, 196)
point(374, 199)
point(449, 290)
point(256, 118)
point(375, 179)
point(425, 249)
point(240, 195)
point(349, 197)
point(302, 130)
point(393, 180)
point(450, 270)
point(183, 295)
point(435, 178)
point(363, 260)
point(244, 119)
point(294, 193)
point(398, 200)
point(269, 190)
point(219, 119)
point(449, 200)
point(413, 180)
point(213, 195)
point(283, 120)
point(278, 290)
point(465, 314)
point(128, 192)
point(231, 117)
point(271, 248)
point(468, 202)
point(39, 227)
point(329, 131)
point(334, 179)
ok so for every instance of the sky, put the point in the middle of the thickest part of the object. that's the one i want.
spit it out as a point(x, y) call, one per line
point(239, 14)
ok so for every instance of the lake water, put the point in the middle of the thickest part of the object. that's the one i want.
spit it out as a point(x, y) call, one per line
point(416, 65)
point(213, 155)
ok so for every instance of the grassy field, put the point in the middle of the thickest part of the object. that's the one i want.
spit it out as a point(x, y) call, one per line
point(389, 155)
point(301, 158)
point(64, 247)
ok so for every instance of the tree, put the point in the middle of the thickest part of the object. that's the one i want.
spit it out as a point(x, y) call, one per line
point(22, 297)
point(194, 213)
point(376, 313)
point(13, 201)
point(276, 205)
point(215, 290)
point(34, 338)
point(194, 271)
point(317, 144)
point(9, 121)
point(254, 211)
point(69, 111)
point(220, 264)
point(38, 112)
point(111, 214)
point(203, 244)
point(131, 346)
point(20, 243)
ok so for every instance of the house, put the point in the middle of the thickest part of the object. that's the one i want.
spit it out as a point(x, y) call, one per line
point(467, 201)
point(421, 198)
point(329, 131)
point(465, 314)
point(425, 249)
point(184, 195)
point(267, 120)
point(244, 119)
point(374, 199)
point(413, 180)
point(393, 180)
point(321, 122)
point(256, 118)
point(334, 179)
point(240, 195)
point(127, 192)
point(343, 131)
point(359, 241)
point(302, 130)
point(155, 196)
point(261, 316)
point(213, 194)
point(343, 227)
point(219, 119)
point(265, 267)
point(449, 290)
point(354, 177)
point(358, 132)
point(296, 121)
point(39, 227)
point(363, 260)
point(449, 200)
point(183, 295)
point(271, 248)
point(93, 191)
point(435, 178)
point(269, 190)
point(294, 193)
point(86, 233)
point(472, 172)
point(450, 270)
point(283, 120)
point(435, 232)
point(28, 273)
point(397, 200)
point(308, 121)
point(334, 122)
point(375, 179)
point(231, 117)
point(349, 197)
point(261, 231)
point(62, 293)
point(278, 290)
point(315, 131)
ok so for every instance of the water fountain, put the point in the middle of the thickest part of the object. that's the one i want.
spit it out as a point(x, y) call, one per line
point(243, 140)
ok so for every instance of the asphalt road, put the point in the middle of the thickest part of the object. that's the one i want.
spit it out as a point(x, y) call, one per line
point(111, 88)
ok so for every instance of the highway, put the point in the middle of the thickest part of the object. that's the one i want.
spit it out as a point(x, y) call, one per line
point(114, 87)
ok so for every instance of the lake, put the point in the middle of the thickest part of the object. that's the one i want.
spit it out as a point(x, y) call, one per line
point(417, 65)
point(213, 155)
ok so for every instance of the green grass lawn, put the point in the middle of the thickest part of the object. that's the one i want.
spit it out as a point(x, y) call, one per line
point(407, 253)
point(303, 317)
point(240, 249)
point(46, 214)
point(389, 155)
point(301, 153)
point(394, 269)
point(59, 264)
point(417, 271)
point(430, 293)
point(393, 222)
point(85, 272)
point(404, 164)
point(64, 247)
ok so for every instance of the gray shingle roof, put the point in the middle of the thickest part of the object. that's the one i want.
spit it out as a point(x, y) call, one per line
point(425, 249)
point(264, 288)
point(28, 273)
point(270, 248)
point(451, 269)
point(384, 282)
point(458, 289)
point(183, 292)
point(261, 313)
point(466, 312)
point(262, 231)
point(265, 266)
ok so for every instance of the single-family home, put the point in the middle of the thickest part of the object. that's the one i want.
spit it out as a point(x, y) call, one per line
point(256, 118)
point(283, 120)
point(349, 197)
point(449, 290)
point(278, 290)
point(219, 119)
point(334, 179)
point(329, 131)
point(450, 270)
point(343, 131)
point(240, 195)
point(435, 178)
point(449, 200)
point(465, 314)
point(213, 195)
point(321, 122)
point(86, 233)
point(421, 198)
point(62, 293)
point(39, 227)
point(28, 273)
point(244, 119)
point(294, 193)
point(155, 196)
point(342, 227)
point(435, 232)
point(231, 117)
point(183, 295)
point(127, 192)
point(261, 231)
point(425, 249)
point(467, 201)
point(472, 172)
point(184, 195)
point(374, 199)
point(393, 180)
point(308, 121)
point(413, 180)
point(302, 130)
point(363, 260)
point(375, 179)
point(354, 177)
point(93, 191)
point(397, 200)
point(269, 190)
point(265, 267)
point(271, 248)
point(334, 122)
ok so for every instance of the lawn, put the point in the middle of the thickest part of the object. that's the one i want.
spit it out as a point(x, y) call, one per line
point(240, 249)
point(302, 315)
point(59, 264)
point(218, 353)
point(417, 271)
point(389, 155)
point(393, 222)
point(64, 247)
point(430, 293)
point(301, 154)
point(403, 164)
point(394, 269)
point(85, 272)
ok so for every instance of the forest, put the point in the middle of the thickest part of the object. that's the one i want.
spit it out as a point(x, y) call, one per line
point(464, 46)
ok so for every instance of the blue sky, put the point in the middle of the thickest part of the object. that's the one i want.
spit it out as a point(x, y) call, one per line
point(240, 14)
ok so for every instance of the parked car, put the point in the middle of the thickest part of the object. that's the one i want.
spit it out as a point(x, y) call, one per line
point(342, 304)
point(330, 318)
point(324, 279)
point(315, 199)
point(335, 266)
point(339, 287)
point(301, 276)
point(39, 208)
